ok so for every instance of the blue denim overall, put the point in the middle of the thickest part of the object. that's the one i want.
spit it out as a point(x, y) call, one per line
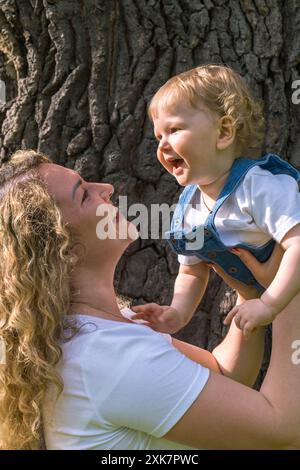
point(186, 242)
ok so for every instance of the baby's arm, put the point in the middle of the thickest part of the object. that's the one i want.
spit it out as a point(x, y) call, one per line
point(189, 289)
point(284, 287)
point(286, 283)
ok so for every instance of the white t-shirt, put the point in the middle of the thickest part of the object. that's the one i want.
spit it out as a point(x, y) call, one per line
point(125, 386)
point(263, 206)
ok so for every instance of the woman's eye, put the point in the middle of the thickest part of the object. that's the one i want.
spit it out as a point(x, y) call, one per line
point(85, 195)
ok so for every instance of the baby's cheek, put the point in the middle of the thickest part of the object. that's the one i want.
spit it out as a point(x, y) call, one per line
point(178, 146)
point(160, 157)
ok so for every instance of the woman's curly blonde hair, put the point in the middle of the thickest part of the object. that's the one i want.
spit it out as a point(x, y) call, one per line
point(224, 92)
point(34, 296)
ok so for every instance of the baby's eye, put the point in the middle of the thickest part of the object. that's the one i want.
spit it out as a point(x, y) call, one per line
point(174, 129)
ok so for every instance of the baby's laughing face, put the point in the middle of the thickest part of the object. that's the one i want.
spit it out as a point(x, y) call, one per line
point(187, 145)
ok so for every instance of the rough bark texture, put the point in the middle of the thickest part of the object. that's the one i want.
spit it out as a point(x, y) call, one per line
point(79, 75)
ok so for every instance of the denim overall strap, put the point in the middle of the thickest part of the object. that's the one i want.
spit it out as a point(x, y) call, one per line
point(276, 165)
point(240, 167)
point(213, 249)
point(238, 170)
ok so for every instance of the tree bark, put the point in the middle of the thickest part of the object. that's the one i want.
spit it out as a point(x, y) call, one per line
point(79, 75)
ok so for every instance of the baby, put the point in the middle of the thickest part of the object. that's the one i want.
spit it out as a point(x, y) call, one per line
point(206, 122)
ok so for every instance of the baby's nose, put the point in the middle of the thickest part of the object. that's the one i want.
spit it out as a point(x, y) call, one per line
point(164, 143)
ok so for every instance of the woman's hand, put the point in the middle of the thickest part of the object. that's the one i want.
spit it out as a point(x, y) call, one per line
point(263, 272)
point(250, 312)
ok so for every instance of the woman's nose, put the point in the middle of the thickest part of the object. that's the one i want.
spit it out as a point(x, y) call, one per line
point(106, 191)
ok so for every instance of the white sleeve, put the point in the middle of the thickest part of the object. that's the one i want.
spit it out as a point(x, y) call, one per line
point(188, 260)
point(274, 201)
point(143, 382)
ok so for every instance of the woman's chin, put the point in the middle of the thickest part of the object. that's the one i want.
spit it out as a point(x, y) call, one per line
point(133, 233)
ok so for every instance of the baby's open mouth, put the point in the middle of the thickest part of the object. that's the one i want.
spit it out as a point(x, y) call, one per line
point(175, 162)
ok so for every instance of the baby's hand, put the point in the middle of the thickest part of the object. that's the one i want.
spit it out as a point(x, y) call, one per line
point(161, 318)
point(251, 314)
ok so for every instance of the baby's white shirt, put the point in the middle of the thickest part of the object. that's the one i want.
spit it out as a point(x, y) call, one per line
point(263, 206)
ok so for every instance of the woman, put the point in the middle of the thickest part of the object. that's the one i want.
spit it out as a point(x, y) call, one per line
point(123, 386)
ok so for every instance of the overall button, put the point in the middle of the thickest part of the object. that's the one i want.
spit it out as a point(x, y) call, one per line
point(206, 232)
point(173, 241)
point(211, 254)
point(232, 270)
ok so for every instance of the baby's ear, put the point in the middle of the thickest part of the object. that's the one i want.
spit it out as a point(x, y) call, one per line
point(226, 132)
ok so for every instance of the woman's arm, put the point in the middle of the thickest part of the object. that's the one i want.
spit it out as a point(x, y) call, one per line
point(228, 415)
point(199, 355)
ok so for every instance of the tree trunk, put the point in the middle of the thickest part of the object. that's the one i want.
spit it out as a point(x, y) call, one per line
point(79, 75)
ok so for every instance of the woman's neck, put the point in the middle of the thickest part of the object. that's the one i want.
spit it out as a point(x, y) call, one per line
point(93, 294)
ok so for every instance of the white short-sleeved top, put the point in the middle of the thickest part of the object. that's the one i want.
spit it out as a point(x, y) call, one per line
point(125, 387)
point(263, 206)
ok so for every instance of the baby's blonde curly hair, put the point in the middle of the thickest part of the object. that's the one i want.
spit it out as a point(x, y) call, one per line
point(34, 295)
point(224, 92)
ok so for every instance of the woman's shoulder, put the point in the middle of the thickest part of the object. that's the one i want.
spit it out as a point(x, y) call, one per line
point(103, 350)
point(100, 335)
point(88, 324)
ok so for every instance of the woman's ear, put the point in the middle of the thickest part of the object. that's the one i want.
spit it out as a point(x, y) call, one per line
point(226, 132)
point(73, 259)
point(76, 254)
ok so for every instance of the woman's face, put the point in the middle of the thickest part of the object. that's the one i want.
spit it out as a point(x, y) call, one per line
point(88, 210)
